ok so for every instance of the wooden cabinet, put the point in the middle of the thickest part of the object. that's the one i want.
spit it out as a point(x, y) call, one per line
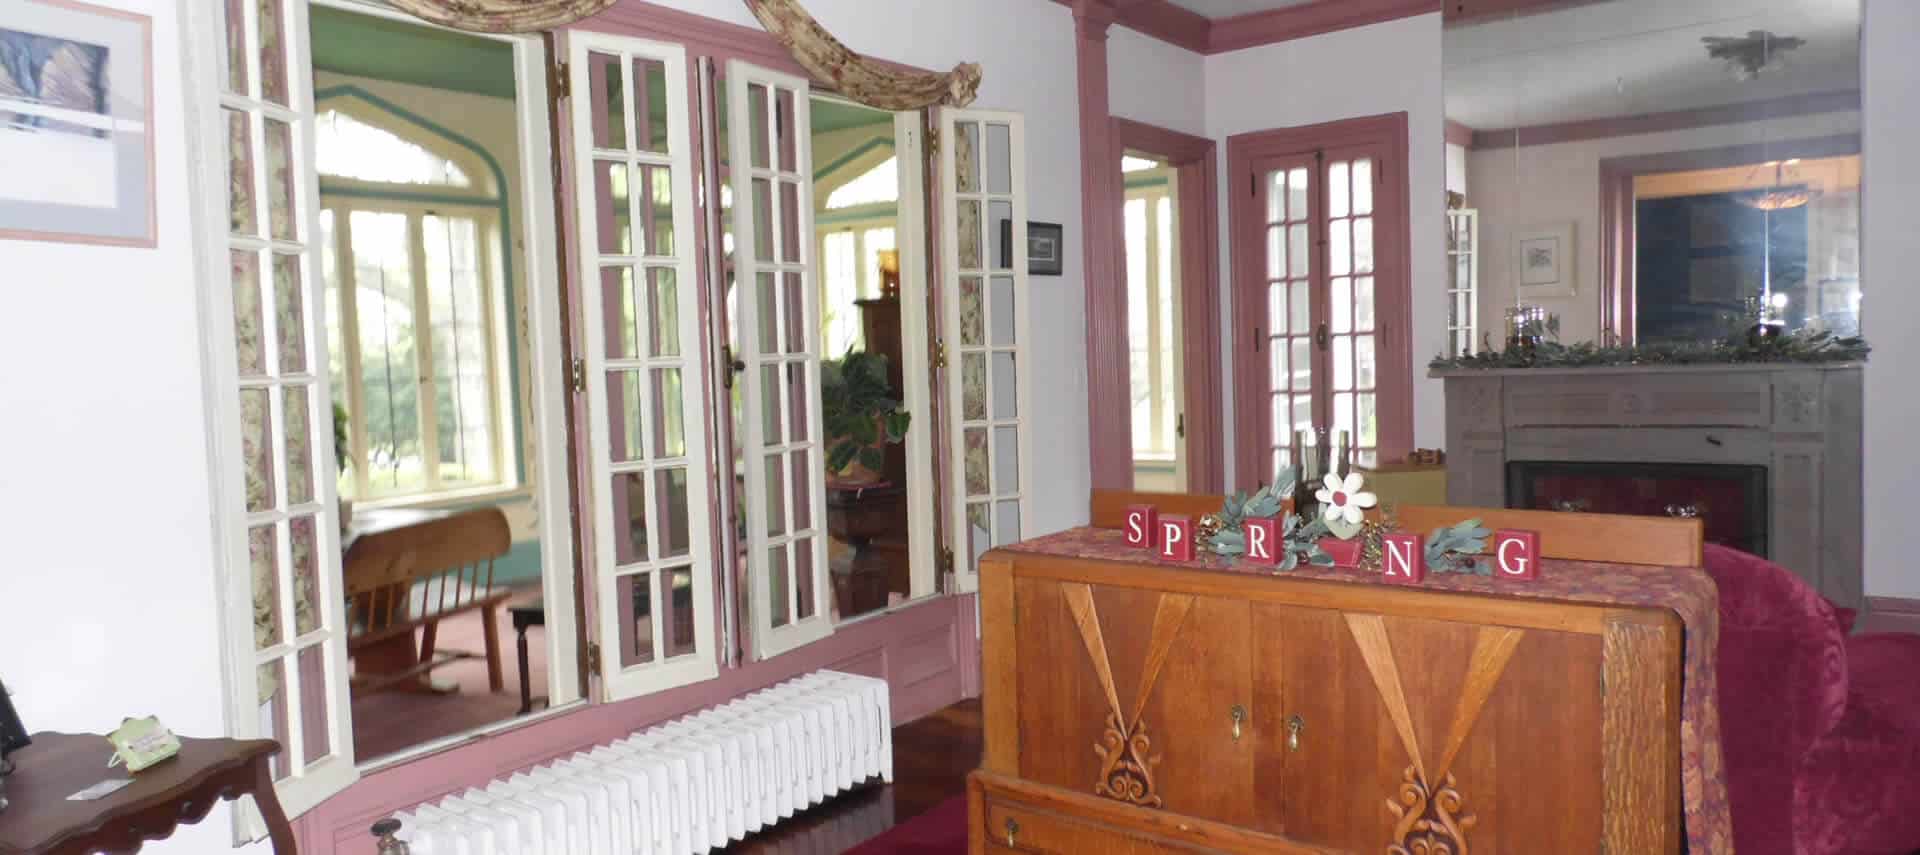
point(1353, 717)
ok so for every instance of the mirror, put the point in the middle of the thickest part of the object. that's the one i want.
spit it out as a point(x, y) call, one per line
point(1653, 172)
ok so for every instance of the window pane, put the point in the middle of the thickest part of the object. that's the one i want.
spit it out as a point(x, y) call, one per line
point(304, 546)
point(350, 147)
point(671, 511)
point(999, 159)
point(664, 303)
point(1297, 194)
point(271, 24)
point(669, 416)
point(1364, 368)
point(779, 586)
point(978, 462)
point(1006, 460)
point(1339, 248)
point(1341, 302)
point(263, 558)
point(249, 332)
point(256, 448)
point(838, 277)
point(296, 412)
point(462, 368)
point(967, 159)
point(678, 609)
point(1363, 245)
point(650, 107)
point(636, 607)
point(621, 311)
point(1297, 256)
point(776, 494)
point(611, 184)
point(1277, 196)
point(1363, 304)
point(609, 101)
point(629, 497)
point(280, 173)
point(1337, 190)
point(243, 218)
point(1006, 387)
point(657, 209)
point(973, 386)
point(624, 431)
point(1362, 187)
point(1005, 314)
point(972, 311)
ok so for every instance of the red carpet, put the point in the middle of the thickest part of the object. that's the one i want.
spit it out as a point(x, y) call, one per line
point(940, 831)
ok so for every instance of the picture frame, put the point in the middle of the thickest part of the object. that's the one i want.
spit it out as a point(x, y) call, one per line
point(76, 139)
point(1546, 259)
point(1045, 245)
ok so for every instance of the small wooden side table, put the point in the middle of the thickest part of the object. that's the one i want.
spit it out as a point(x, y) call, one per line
point(41, 821)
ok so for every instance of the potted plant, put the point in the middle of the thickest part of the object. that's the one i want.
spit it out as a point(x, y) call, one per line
point(861, 414)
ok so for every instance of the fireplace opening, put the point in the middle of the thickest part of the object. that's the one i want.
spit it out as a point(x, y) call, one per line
point(1730, 499)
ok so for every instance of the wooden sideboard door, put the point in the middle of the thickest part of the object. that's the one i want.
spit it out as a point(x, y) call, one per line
point(1130, 694)
point(1469, 728)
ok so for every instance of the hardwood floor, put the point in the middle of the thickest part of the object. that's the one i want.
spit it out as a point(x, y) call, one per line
point(931, 760)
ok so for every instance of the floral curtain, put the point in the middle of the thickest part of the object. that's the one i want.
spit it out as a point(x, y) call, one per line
point(860, 78)
point(502, 16)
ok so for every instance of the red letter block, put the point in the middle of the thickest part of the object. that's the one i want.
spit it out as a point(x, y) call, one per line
point(1403, 558)
point(1143, 522)
point(1263, 540)
point(1516, 554)
point(1176, 538)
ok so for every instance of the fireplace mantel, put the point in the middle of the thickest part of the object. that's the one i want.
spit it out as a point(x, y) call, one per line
point(1801, 421)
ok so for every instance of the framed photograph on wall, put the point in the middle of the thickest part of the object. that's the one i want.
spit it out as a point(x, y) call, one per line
point(1043, 248)
point(1546, 261)
point(76, 123)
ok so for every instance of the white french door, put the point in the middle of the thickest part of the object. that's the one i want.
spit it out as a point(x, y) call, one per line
point(771, 167)
point(984, 331)
point(652, 564)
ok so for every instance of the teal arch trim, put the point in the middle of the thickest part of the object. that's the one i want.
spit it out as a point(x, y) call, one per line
point(1139, 183)
point(498, 203)
point(858, 151)
point(860, 214)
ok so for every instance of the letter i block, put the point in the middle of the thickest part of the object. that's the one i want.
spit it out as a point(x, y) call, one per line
point(1263, 540)
point(1516, 555)
point(1143, 524)
point(1403, 558)
point(1176, 538)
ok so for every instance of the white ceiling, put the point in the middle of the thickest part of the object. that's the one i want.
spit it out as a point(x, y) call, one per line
point(1230, 8)
point(1628, 57)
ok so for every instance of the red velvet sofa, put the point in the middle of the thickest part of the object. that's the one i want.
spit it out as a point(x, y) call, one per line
point(1820, 729)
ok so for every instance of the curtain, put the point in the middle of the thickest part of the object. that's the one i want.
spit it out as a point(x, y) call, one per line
point(502, 16)
point(865, 80)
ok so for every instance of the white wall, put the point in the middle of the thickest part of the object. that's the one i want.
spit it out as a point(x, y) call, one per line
point(107, 608)
point(1890, 220)
point(1536, 185)
point(1151, 81)
point(1382, 68)
point(1025, 49)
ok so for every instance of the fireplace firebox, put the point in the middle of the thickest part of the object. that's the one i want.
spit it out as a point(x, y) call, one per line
point(1731, 500)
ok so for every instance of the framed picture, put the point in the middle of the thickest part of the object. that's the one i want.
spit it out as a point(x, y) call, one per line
point(76, 141)
point(1546, 260)
point(1043, 248)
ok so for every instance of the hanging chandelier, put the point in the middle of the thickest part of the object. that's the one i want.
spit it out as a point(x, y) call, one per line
point(1779, 197)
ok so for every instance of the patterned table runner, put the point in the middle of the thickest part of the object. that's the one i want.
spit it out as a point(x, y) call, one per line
point(1687, 591)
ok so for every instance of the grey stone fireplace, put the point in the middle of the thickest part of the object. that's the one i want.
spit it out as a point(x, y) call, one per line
point(1768, 455)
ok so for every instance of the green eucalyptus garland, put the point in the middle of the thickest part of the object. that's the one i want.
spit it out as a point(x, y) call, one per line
point(1299, 539)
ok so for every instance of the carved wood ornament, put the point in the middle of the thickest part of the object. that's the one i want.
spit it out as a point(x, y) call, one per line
point(1430, 820)
point(1127, 761)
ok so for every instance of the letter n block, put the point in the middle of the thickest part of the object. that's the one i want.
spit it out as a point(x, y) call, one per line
point(1403, 558)
point(1516, 555)
point(1176, 538)
point(1143, 526)
point(1263, 540)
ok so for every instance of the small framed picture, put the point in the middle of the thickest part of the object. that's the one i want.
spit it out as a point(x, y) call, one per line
point(76, 139)
point(1043, 248)
point(1546, 260)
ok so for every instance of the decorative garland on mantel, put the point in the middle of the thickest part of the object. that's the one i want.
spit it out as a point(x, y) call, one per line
point(1801, 346)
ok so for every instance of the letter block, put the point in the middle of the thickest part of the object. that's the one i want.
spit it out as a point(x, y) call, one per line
point(1176, 538)
point(1403, 558)
point(1516, 555)
point(1263, 540)
point(1143, 526)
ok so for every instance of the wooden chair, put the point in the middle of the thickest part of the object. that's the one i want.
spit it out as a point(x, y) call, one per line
point(1617, 538)
point(410, 578)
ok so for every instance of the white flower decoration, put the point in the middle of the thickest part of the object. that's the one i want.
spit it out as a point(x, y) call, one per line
point(1344, 500)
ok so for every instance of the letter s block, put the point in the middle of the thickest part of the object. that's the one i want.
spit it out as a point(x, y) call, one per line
point(1143, 526)
point(1263, 540)
point(1403, 558)
point(1516, 555)
point(1176, 538)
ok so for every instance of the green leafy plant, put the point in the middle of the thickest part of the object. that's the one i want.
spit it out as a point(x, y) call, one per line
point(860, 410)
point(1299, 539)
point(1457, 549)
point(340, 449)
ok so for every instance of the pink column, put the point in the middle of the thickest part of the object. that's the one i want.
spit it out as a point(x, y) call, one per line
point(1109, 426)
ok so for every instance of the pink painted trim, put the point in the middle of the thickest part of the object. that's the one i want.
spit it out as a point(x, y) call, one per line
point(1674, 120)
point(1197, 165)
point(1459, 134)
point(924, 651)
point(1387, 135)
point(1617, 292)
point(1890, 614)
point(152, 238)
point(1195, 32)
point(706, 36)
point(1109, 432)
point(1467, 11)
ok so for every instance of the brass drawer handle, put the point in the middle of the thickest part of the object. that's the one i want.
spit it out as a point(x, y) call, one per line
point(1013, 828)
point(1295, 725)
point(1239, 714)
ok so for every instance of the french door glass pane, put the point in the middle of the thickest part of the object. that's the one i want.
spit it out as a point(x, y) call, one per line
point(1350, 300)
point(1290, 269)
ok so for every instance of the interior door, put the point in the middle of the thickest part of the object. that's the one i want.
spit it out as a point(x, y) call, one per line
point(771, 174)
point(648, 468)
point(1290, 202)
point(983, 333)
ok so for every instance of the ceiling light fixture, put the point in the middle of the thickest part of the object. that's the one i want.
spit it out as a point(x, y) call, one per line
point(1747, 57)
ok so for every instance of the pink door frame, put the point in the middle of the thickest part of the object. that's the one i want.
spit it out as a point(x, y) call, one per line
point(1618, 301)
point(928, 651)
point(1196, 168)
point(1103, 250)
point(1393, 277)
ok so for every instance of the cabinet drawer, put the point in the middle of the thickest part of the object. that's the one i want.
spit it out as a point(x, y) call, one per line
point(1015, 827)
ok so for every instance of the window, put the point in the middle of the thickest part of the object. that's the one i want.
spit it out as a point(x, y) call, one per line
point(1463, 278)
point(415, 342)
point(849, 270)
point(1151, 290)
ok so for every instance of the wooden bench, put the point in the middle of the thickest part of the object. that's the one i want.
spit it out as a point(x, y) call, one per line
point(413, 577)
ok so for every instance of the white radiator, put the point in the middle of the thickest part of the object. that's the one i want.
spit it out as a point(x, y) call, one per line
point(686, 786)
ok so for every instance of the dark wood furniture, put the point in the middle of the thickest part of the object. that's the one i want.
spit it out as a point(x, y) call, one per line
point(41, 821)
point(524, 616)
point(409, 578)
point(1141, 708)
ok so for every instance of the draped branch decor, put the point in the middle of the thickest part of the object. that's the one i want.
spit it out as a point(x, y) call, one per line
point(861, 78)
point(502, 16)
